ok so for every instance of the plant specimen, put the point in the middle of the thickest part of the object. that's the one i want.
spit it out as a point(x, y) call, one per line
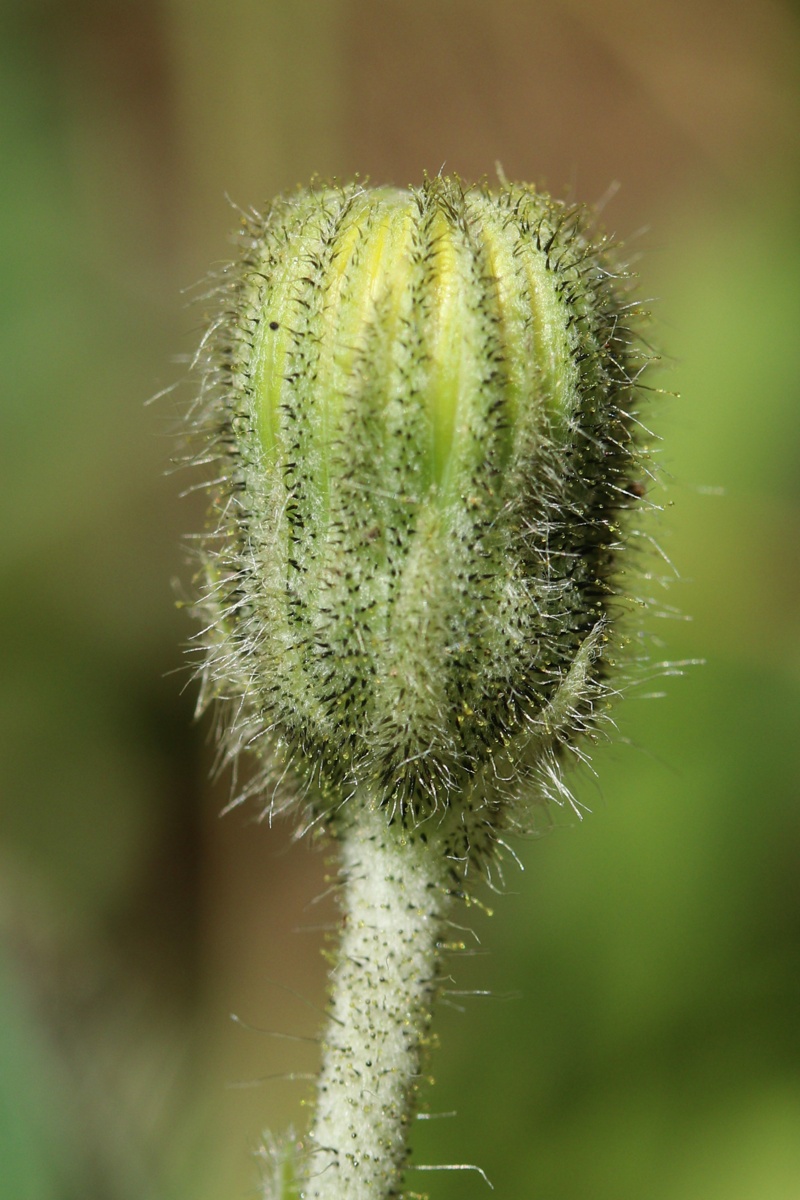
point(423, 404)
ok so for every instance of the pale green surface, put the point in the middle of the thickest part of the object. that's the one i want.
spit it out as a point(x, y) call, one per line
point(414, 501)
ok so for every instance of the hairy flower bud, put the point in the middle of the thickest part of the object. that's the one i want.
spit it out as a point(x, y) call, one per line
point(424, 403)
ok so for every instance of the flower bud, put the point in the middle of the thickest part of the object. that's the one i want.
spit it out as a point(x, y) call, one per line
point(424, 404)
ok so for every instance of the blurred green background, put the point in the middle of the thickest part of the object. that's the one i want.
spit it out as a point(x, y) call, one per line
point(653, 1045)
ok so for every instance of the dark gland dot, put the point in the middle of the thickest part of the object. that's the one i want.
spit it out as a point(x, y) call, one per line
point(274, 325)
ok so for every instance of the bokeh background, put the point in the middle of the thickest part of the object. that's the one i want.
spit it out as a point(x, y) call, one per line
point(643, 1038)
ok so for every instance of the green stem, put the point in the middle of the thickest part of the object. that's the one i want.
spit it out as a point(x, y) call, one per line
point(384, 981)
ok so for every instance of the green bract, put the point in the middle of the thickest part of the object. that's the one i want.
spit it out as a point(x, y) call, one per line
point(424, 404)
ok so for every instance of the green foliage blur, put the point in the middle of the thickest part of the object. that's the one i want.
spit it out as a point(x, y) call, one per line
point(642, 1036)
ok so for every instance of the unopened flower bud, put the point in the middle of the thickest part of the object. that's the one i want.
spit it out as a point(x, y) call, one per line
point(423, 401)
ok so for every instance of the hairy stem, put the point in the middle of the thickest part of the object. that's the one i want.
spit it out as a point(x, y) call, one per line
point(384, 980)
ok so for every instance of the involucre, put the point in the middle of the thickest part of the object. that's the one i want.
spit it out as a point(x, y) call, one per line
point(424, 403)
